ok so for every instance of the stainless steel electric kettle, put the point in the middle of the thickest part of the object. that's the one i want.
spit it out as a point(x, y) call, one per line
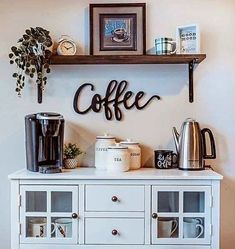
point(191, 145)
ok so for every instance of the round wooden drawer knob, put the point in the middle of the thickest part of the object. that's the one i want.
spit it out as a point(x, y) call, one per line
point(114, 199)
point(74, 216)
point(114, 232)
point(154, 216)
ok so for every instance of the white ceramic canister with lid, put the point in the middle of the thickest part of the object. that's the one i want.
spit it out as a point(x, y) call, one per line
point(135, 153)
point(118, 158)
point(101, 150)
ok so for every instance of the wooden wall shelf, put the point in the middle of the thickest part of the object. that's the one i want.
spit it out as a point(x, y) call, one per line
point(189, 59)
point(126, 59)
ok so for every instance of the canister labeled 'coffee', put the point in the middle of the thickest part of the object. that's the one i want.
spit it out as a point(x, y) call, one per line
point(135, 153)
point(118, 158)
point(101, 150)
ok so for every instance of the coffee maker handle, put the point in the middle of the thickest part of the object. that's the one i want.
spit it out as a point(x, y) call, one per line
point(212, 142)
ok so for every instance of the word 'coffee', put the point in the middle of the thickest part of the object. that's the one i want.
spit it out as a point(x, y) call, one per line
point(115, 96)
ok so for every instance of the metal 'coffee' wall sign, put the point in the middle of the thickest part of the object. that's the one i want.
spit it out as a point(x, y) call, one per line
point(115, 96)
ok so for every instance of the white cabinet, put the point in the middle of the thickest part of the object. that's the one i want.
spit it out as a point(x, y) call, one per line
point(85, 208)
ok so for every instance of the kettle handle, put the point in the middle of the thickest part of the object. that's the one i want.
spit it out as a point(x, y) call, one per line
point(212, 141)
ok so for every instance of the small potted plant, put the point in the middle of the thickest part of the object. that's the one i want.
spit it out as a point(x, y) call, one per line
point(71, 153)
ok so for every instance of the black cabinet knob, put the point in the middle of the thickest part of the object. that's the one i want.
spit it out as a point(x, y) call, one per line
point(114, 232)
point(154, 216)
point(114, 198)
point(74, 215)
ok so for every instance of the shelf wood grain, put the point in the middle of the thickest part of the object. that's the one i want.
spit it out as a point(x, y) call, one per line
point(126, 59)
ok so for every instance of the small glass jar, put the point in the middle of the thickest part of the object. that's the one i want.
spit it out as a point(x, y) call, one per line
point(135, 153)
point(101, 150)
point(118, 158)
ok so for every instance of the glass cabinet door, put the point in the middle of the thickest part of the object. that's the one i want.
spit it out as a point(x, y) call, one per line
point(181, 214)
point(49, 214)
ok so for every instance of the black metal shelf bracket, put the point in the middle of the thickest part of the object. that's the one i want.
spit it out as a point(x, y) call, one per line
point(191, 66)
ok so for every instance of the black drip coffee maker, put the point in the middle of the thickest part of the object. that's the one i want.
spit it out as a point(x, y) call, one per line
point(44, 142)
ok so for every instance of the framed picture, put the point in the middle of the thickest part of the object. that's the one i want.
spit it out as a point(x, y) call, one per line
point(188, 39)
point(117, 29)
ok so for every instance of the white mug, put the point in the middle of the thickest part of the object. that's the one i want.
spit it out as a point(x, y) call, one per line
point(37, 227)
point(166, 228)
point(62, 228)
point(193, 227)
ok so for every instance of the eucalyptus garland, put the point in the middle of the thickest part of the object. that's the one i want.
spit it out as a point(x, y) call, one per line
point(32, 56)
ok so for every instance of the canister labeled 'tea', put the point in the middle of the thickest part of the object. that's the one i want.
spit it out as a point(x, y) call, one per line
point(118, 158)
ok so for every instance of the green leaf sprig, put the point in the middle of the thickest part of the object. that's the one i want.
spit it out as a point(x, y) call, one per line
point(32, 57)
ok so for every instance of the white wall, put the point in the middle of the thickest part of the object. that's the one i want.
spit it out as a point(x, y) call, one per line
point(214, 89)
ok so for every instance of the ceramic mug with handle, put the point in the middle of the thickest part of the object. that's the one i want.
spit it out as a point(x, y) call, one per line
point(165, 159)
point(37, 227)
point(167, 227)
point(62, 227)
point(193, 227)
point(165, 46)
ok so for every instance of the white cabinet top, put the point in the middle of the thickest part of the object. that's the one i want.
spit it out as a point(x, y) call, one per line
point(142, 174)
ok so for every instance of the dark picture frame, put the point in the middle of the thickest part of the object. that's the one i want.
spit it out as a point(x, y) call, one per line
point(118, 29)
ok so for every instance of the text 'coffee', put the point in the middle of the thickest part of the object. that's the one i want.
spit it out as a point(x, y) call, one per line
point(115, 96)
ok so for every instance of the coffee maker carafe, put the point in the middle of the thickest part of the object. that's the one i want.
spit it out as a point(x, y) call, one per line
point(44, 142)
point(191, 145)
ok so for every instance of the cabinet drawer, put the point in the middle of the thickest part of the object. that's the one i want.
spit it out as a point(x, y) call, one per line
point(111, 198)
point(114, 231)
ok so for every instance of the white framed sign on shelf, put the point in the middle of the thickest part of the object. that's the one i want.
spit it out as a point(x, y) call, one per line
point(188, 39)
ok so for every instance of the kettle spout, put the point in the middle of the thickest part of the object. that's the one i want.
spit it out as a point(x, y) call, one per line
point(176, 136)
